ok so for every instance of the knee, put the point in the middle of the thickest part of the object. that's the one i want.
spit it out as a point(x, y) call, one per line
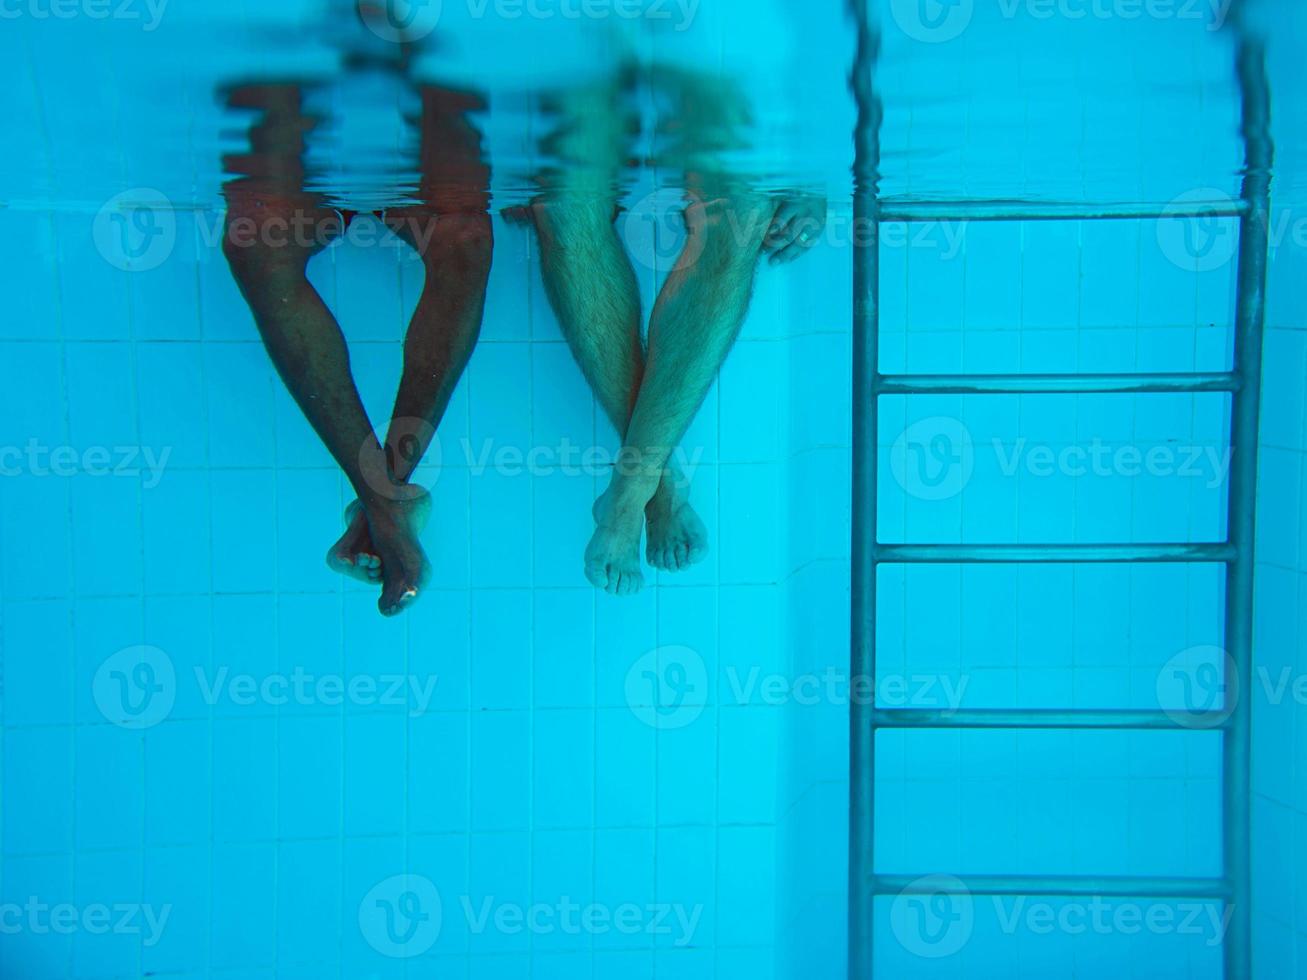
point(472, 232)
point(725, 234)
point(467, 240)
point(261, 236)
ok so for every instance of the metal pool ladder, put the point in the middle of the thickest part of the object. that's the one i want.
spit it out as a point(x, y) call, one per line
point(1242, 382)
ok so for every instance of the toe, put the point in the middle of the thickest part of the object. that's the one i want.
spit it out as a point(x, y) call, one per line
point(395, 600)
point(343, 563)
point(596, 575)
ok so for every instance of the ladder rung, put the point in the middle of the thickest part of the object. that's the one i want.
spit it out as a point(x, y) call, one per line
point(1033, 211)
point(950, 554)
point(1079, 718)
point(1052, 885)
point(1016, 384)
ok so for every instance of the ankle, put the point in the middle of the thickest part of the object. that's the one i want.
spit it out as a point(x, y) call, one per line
point(674, 485)
point(389, 504)
point(631, 493)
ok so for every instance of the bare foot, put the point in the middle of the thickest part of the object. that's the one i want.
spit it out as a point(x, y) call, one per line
point(677, 537)
point(354, 554)
point(612, 559)
point(394, 526)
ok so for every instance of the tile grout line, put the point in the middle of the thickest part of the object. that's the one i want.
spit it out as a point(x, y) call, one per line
point(62, 346)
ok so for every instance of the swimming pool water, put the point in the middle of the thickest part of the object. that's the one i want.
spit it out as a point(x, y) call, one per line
point(219, 761)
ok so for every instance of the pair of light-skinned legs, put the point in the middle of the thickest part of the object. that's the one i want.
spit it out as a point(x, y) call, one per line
point(652, 388)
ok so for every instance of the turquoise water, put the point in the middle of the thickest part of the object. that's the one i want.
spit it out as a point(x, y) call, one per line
point(219, 761)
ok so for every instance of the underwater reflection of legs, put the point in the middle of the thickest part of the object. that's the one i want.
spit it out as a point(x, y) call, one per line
point(592, 288)
point(273, 228)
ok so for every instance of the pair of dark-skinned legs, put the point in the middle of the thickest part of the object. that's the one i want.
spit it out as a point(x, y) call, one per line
point(452, 236)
